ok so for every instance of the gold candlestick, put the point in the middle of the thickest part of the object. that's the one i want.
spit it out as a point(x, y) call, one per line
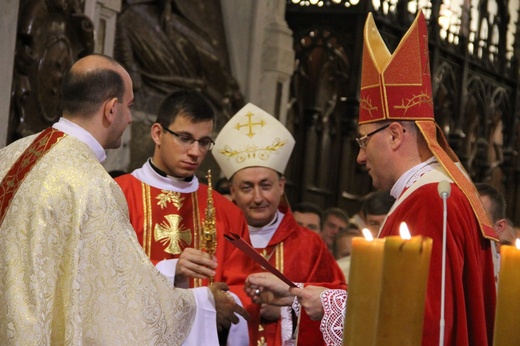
point(209, 230)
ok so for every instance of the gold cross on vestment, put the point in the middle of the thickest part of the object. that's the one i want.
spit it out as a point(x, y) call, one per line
point(250, 124)
point(172, 234)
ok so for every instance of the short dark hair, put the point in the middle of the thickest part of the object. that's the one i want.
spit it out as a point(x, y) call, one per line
point(498, 202)
point(222, 186)
point(376, 203)
point(308, 207)
point(189, 103)
point(83, 92)
point(337, 212)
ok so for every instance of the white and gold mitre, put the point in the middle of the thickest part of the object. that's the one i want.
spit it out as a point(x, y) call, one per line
point(251, 138)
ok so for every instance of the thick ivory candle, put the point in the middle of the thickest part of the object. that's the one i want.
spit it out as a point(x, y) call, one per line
point(406, 264)
point(508, 298)
point(363, 291)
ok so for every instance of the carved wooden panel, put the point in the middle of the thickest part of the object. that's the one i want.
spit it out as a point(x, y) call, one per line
point(169, 45)
point(323, 109)
point(51, 36)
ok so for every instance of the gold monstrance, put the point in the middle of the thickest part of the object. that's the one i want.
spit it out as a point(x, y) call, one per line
point(209, 230)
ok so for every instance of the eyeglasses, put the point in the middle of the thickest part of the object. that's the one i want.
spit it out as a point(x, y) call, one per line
point(362, 141)
point(205, 143)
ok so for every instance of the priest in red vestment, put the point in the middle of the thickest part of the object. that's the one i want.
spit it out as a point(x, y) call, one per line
point(406, 153)
point(253, 149)
point(167, 203)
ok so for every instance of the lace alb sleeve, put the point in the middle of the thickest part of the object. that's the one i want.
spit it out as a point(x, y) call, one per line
point(334, 306)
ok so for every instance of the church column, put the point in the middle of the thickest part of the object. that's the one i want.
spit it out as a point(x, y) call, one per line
point(8, 25)
point(262, 58)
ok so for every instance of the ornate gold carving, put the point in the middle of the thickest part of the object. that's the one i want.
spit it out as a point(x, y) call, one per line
point(252, 151)
point(170, 196)
point(209, 229)
point(173, 233)
point(366, 104)
point(414, 101)
point(250, 124)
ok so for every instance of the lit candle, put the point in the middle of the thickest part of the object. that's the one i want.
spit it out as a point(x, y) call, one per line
point(363, 290)
point(508, 298)
point(406, 264)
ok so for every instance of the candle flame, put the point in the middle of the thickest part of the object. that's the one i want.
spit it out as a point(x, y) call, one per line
point(404, 232)
point(518, 243)
point(367, 234)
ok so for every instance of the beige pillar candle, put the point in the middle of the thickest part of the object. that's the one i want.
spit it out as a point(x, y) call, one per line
point(363, 291)
point(406, 264)
point(508, 298)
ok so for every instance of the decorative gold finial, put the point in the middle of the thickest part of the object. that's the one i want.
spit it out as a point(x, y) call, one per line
point(208, 225)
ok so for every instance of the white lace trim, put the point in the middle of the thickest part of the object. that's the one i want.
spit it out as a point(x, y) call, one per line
point(420, 172)
point(410, 176)
point(296, 305)
point(287, 326)
point(334, 307)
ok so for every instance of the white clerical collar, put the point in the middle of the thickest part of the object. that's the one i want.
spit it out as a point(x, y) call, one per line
point(260, 236)
point(149, 176)
point(410, 176)
point(74, 130)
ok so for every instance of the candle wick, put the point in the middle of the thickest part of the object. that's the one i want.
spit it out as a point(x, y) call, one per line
point(423, 240)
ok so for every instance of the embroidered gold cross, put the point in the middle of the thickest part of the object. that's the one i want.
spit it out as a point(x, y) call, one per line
point(250, 124)
point(172, 234)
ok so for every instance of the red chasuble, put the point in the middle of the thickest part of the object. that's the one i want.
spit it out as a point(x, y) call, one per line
point(166, 222)
point(304, 258)
point(470, 284)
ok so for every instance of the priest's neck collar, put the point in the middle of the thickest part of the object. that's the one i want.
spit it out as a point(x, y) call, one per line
point(164, 174)
point(78, 132)
point(409, 177)
point(153, 176)
point(260, 236)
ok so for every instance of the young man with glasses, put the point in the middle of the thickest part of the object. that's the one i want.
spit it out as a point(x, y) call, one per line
point(167, 202)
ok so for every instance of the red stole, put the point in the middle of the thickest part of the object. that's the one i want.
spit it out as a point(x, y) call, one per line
point(23, 165)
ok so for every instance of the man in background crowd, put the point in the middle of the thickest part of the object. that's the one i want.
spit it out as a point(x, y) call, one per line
point(335, 220)
point(308, 215)
point(374, 208)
